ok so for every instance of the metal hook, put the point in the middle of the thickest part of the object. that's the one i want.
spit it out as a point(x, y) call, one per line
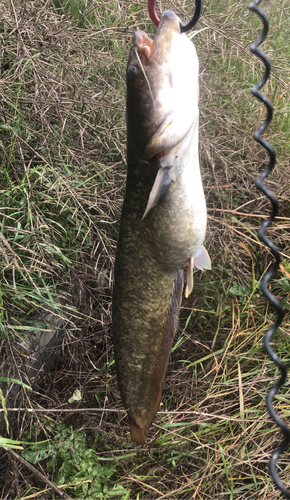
point(183, 27)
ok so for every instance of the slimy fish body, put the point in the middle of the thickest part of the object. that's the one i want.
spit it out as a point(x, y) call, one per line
point(163, 220)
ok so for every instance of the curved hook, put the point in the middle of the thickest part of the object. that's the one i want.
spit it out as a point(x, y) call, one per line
point(183, 27)
point(152, 12)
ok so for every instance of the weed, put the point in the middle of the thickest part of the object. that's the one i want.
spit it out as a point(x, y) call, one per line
point(11, 443)
point(79, 468)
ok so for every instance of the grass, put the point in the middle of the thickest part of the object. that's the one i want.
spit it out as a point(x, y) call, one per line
point(62, 149)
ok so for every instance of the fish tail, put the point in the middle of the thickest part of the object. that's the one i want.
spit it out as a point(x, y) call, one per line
point(158, 375)
point(137, 433)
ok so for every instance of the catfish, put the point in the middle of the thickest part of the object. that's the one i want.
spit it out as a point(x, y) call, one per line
point(163, 219)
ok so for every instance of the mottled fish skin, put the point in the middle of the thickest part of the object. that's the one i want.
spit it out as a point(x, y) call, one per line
point(156, 242)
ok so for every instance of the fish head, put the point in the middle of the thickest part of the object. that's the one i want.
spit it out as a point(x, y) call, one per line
point(162, 89)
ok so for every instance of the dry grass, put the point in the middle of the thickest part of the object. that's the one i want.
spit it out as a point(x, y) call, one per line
point(62, 147)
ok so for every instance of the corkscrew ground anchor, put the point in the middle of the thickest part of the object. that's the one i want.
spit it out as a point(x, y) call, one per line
point(275, 266)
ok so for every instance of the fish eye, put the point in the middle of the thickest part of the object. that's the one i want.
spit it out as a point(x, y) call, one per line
point(133, 70)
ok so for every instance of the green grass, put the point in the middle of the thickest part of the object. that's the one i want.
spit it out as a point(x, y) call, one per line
point(62, 149)
point(78, 465)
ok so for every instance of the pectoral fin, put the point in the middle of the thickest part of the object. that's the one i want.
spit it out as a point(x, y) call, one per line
point(159, 189)
point(201, 260)
point(170, 133)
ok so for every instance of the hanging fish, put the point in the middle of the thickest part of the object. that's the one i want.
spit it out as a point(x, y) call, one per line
point(163, 220)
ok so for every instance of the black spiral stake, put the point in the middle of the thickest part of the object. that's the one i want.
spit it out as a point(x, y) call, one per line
point(275, 266)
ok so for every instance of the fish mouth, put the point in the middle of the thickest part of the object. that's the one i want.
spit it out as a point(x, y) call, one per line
point(147, 48)
point(144, 46)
